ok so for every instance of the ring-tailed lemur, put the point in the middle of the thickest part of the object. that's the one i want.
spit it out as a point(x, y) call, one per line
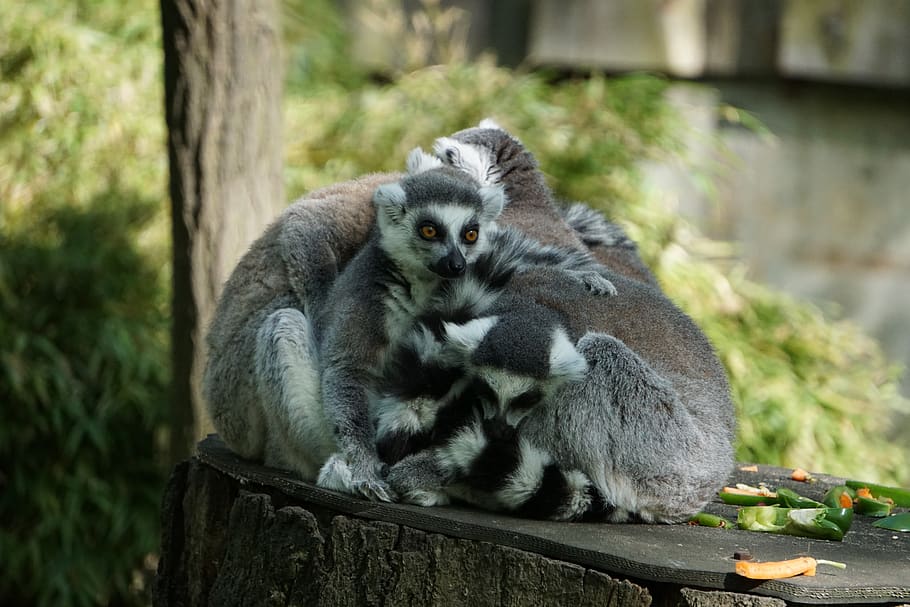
point(430, 227)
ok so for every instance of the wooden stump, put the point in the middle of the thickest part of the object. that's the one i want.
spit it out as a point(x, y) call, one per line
point(238, 533)
point(224, 545)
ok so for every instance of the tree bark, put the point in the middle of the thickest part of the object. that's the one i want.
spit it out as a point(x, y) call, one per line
point(223, 545)
point(223, 81)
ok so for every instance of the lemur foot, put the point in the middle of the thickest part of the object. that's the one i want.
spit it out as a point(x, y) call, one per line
point(595, 283)
point(336, 474)
point(579, 499)
point(418, 480)
point(426, 498)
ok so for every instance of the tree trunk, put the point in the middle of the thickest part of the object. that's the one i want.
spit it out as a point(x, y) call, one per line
point(223, 81)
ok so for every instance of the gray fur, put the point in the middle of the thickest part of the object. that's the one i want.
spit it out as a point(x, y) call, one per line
point(289, 268)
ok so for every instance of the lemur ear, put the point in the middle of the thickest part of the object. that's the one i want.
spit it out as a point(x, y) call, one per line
point(475, 160)
point(420, 162)
point(566, 362)
point(389, 201)
point(494, 200)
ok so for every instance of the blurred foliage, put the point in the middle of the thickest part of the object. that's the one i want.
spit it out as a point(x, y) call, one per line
point(83, 300)
point(84, 282)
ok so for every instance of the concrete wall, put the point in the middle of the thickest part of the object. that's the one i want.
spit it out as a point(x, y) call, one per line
point(821, 208)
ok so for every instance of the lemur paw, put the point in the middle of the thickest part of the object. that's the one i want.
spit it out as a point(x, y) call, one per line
point(596, 284)
point(336, 474)
point(418, 480)
point(426, 497)
point(579, 498)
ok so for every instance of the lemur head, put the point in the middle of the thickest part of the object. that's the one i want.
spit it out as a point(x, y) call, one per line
point(435, 221)
point(491, 155)
point(521, 357)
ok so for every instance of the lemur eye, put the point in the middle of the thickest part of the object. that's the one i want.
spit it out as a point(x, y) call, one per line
point(470, 235)
point(428, 231)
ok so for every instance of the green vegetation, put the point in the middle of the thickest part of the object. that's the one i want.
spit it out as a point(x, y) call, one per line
point(83, 301)
point(84, 282)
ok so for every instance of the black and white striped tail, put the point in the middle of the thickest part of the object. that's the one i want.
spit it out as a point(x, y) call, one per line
point(495, 467)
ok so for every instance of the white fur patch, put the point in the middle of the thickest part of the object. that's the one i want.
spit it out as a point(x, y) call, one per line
point(474, 160)
point(393, 415)
point(489, 123)
point(467, 336)
point(420, 162)
point(494, 200)
point(565, 361)
point(526, 479)
point(463, 448)
point(336, 475)
point(453, 216)
point(426, 498)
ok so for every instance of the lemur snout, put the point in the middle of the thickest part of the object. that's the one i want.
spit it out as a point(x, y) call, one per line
point(452, 265)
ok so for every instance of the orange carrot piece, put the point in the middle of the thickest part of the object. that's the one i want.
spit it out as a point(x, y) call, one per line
point(775, 570)
point(801, 475)
point(864, 492)
point(845, 501)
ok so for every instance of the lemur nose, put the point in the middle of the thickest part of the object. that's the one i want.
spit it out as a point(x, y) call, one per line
point(456, 266)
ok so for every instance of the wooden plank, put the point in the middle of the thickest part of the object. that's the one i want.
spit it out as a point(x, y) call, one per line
point(632, 35)
point(862, 41)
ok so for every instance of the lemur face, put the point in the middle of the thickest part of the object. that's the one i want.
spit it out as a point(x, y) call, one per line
point(434, 224)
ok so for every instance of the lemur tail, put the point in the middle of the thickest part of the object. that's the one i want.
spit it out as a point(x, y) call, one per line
point(593, 229)
point(499, 470)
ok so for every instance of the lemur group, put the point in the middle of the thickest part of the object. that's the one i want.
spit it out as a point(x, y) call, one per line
point(455, 333)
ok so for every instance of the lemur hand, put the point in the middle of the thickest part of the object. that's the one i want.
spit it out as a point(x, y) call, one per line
point(418, 480)
point(361, 478)
point(595, 282)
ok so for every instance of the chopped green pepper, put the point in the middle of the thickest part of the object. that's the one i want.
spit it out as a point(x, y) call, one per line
point(837, 497)
point(706, 519)
point(872, 507)
point(900, 497)
point(897, 522)
point(736, 498)
point(821, 523)
point(791, 499)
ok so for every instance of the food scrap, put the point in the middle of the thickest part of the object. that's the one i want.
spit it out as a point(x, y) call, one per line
point(746, 495)
point(750, 468)
point(819, 523)
point(775, 570)
point(900, 497)
point(802, 476)
point(895, 522)
point(706, 519)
